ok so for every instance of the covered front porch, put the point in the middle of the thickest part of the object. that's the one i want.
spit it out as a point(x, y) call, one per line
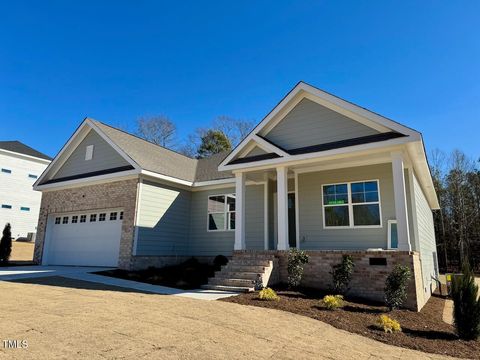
point(357, 202)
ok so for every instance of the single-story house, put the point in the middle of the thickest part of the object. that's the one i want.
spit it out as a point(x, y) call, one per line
point(318, 173)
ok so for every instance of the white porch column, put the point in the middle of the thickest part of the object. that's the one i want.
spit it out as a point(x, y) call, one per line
point(282, 205)
point(400, 202)
point(239, 212)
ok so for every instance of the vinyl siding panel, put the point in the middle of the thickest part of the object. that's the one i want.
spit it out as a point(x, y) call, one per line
point(104, 157)
point(311, 124)
point(426, 235)
point(256, 151)
point(312, 234)
point(212, 243)
point(163, 218)
point(16, 190)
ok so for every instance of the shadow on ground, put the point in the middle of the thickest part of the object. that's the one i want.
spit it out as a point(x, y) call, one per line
point(64, 282)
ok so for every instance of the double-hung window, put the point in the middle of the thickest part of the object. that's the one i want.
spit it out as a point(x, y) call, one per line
point(352, 205)
point(221, 212)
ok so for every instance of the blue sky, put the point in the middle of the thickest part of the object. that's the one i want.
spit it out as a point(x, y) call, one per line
point(416, 62)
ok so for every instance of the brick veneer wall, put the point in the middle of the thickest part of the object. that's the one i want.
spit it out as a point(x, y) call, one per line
point(118, 194)
point(368, 281)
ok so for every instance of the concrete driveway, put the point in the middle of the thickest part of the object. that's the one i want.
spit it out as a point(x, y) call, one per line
point(66, 318)
point(86, 274)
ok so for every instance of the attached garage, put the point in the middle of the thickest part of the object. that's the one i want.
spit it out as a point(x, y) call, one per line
point(90, 238)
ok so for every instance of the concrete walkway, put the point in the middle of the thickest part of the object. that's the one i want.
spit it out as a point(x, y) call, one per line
point(85, 274)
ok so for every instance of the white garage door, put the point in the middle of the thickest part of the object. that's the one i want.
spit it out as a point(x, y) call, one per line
point(84, 238)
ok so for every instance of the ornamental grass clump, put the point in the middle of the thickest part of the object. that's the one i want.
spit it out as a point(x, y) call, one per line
point(466, 305)
point(332, 302)
point(396, 286)
point(388, 324)
point(268, 294)
point(296, 260)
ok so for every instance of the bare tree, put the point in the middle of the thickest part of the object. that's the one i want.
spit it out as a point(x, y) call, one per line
point(157, 129)
point(235, 129)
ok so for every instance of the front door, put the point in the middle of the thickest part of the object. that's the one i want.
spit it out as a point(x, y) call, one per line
point(292, 228)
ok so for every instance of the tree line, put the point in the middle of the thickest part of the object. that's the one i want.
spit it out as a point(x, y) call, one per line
point(223, 134)
point(457, 224)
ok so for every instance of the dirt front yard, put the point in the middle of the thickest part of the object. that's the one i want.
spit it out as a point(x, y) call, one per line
point(62, 318)
point(22, 251)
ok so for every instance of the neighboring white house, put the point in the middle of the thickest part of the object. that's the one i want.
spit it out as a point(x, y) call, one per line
point(20, 166)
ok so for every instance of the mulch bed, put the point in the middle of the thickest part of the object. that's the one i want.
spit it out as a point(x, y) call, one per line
point(424, 331)
point(187, 276)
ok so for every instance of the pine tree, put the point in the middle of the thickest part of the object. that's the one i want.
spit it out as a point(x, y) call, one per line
point(213, 142)
point(466, 305)
point(6, 244)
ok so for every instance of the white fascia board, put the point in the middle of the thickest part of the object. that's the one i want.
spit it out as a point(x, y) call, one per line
point(112, 144)
point(293, 159)
point(123, 175)
point(355, 109)
point(25, 156)
point(416, 152)
point(65, 149)
point(303, 90)
point(268, 147)
point(262, 124)
point(166, 178)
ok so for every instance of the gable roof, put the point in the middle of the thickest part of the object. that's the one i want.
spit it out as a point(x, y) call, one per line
point(142, 156)
point(305, 91)
point(21, 148)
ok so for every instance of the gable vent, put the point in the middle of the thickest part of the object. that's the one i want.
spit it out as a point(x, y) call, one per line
point(89, 152)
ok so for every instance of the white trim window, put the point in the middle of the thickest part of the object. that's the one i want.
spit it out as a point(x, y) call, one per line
point(352, 205)
point(392, 234)
point(221, 212)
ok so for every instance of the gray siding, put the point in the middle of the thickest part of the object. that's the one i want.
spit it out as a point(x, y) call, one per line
point(104, 157)
point(256, 151)
point(312, 234)
point(163, 218)
point(426, 235)
point(310, 124)
point(205, 243)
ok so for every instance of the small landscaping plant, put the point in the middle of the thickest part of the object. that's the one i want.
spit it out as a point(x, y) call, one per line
point(332, 302)
point(296, 260)
point(258, 283)
point(396, 286)
point(268, 294)
point(342, 274)
point(466, 305)
point(388, 324)
point(219, 261)
point(6, 245)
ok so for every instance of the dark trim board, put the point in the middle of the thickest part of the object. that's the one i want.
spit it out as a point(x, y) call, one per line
point(90, 174)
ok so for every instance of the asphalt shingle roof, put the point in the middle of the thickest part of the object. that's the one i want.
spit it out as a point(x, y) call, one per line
point(163, 161)
point(21, 148)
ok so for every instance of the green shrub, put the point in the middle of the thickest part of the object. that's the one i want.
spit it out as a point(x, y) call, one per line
point(6, 244)
point(332, 302)
point(466, 305)
point(219, 261)
point(341, 274)
point(388, 324)
point(396, 286)
point(268, 294)
point(296, 260)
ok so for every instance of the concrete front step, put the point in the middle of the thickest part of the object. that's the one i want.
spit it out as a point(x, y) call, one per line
point(229, 274)
point(230, 282)
point(259, 269)
point(256, 262)
point(241, 289)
